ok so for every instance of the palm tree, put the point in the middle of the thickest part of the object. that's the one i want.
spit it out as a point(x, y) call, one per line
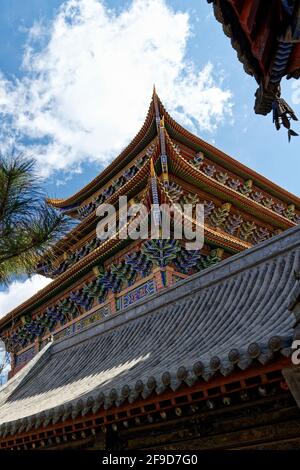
point(28, 227)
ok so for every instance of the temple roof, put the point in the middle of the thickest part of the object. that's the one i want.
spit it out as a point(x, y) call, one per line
point(227, 318)
point(144, 137)
point(178, 165)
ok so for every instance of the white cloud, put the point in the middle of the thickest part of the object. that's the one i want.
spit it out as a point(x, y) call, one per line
point(88, 79)
point(19, 291)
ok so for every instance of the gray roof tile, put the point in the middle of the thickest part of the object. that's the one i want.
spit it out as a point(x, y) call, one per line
point(216, 321)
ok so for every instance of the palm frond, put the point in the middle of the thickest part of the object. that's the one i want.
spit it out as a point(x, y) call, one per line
point(28, 227)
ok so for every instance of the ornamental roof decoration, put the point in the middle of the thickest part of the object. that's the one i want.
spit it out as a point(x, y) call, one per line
point(266, 37)
point(204, 170)
point(241, 207)
point(147, 136)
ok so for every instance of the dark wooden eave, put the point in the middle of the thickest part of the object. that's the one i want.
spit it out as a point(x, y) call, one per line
point(266, 37)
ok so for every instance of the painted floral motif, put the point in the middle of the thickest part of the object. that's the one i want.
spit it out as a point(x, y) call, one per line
point(175, 191)
point(219, 215)
point(208, 208)
point(278, 208)
point(222, 177)
point(161, 252)
point(233, 223)
point(257, 196)
point(268, 202)
point(246, 188)
point(234, 183)
point(260, 235)
point(209, 170)
point(186, 260)
point(198, 159)
point(247, 228)
point(211, 259)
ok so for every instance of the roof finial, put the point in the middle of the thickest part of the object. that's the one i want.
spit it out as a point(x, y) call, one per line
point(156, 107)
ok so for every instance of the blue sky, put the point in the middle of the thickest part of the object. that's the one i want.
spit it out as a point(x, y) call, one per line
point(76, 80)
point(246, 136)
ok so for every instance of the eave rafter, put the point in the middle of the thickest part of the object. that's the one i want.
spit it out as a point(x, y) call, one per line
point(211, 235)
point(181, 166)
point(92, 414)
